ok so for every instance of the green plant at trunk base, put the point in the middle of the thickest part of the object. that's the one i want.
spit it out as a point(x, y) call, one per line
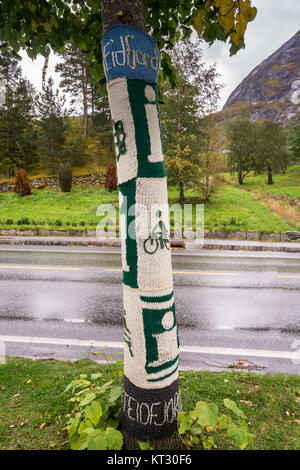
point(97, 409)
point(196, 427)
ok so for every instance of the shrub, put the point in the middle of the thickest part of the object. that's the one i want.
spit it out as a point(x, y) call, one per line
point(22, 184)
point(23, 221)
point(111, 181)
point(65, 178)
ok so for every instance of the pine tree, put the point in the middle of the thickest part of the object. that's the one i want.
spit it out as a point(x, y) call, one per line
point(75, 72)
point(17, 134)
point(52, 126)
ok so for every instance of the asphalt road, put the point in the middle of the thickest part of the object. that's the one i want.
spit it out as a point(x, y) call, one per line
point(67, 303)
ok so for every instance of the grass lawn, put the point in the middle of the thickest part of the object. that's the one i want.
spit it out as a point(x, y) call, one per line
point(288, 184)
point(232, 209)
point(33, 407)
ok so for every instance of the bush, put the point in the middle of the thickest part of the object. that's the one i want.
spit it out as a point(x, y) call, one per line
point(22, 184)
point(111, 181)
point(65, 178)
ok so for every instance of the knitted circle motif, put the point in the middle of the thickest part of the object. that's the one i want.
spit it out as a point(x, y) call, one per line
point(150, 94)
point(120, 138)
point(168, 321)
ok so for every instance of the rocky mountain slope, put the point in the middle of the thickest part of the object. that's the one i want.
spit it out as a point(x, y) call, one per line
point(273, 87)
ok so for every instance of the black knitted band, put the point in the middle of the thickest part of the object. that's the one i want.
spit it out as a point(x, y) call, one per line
point(150, 414)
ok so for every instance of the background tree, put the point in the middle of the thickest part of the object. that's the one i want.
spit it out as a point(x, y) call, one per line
point(17, 133)
point(272, 155)
point(294, 141)
point(52, 126)
point(57, 23)
point(211, 160)
point(242, 135)
point(196, 94)
point(75, 72)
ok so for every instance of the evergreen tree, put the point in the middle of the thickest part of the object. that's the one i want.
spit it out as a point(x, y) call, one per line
point(52, 126)
point(17, 134)
point(75, 72)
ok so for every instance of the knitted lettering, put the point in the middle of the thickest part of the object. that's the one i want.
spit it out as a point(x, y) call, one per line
point(151, 397)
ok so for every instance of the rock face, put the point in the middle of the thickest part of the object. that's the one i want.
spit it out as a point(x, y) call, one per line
point(273, 87)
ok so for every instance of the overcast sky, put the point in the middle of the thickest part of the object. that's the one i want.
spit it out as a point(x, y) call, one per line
point(276, 22)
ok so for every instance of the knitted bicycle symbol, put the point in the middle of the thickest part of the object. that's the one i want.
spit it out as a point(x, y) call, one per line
point(158, 238)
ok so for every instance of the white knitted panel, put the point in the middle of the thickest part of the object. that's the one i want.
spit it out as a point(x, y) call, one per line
point(153, 126)
point(121, 111)
point(154, 270)
point(135, 357)
point(125, 266)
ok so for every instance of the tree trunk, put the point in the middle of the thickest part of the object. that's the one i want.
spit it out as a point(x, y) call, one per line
point(85, 105)
point(109, 148)
point(241, 178)
point(181, 190)
point(270, 175)
point(151, 398)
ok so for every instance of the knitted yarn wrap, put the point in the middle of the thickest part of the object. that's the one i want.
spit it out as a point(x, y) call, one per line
point(151, 397)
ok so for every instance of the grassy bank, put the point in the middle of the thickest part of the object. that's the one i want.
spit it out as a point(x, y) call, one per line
point(33, 407)
point(288, 184)
point(232, 209)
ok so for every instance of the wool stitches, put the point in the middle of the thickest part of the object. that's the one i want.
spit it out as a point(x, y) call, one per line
point(151, 398)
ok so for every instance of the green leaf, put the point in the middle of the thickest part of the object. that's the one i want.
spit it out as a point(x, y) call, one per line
point(74, 425)
point(185, 424)
point(94, 412)
point(84, 427)
point(231, 405)
point(88, 398)
point(115, 393)
point(78, 442)
point(114, 439)
point(96, 376)
point(144, 445)
point(206, 413)
point(239, 434)
point(97, 442)
point(224, 421)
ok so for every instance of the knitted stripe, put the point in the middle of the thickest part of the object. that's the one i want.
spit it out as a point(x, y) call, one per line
point(151, 398)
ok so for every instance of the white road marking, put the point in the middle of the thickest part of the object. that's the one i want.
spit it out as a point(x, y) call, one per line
point(120, 345)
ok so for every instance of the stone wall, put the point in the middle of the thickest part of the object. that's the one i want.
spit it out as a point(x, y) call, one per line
point(52, 182)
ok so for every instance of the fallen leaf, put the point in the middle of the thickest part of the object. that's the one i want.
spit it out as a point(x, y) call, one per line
point(17, 395)
point(29, 381)
point(42, 425)
point(226, 380)
point(297, 421)
point(280, 419)
point(2, 387)
point(12, 426)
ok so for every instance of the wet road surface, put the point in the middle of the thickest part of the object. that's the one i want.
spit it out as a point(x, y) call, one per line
point(229, 305)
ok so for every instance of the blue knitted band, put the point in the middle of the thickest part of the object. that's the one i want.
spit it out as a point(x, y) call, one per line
point(129, 53)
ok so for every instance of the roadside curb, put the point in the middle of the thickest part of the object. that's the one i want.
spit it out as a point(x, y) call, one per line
point(209, 244)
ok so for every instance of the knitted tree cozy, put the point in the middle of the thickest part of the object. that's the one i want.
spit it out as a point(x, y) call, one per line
point(151, 397)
